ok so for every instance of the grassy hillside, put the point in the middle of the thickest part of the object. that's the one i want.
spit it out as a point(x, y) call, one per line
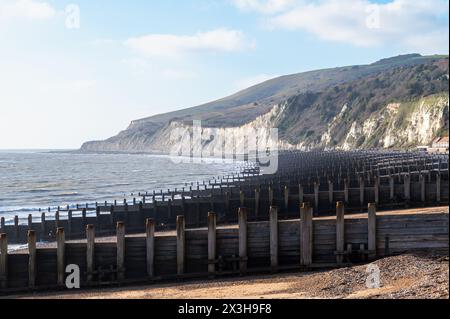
point(312, 100)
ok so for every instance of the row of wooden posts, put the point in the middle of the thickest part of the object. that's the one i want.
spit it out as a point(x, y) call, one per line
point(306, 245)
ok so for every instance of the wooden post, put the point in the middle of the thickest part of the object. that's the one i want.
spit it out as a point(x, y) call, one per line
point(242, 221)
point(270, 195)
point(391, 187)
point(361, 191)
point(273, 224)
point(120, 231)
point(377, 189)
point(57, 219)
point(150, 246)
point(306, 235)
point(16, 228)
point(286, 198)
point(61, 255)
point(346, 191)
point(83, 217)
point(257, 196)
point(169, 209)
point(242, 197)
point(438, 187)
point(2, 224)
point(90, 252)
point(31, 258)
point(212, 220)
point(69, 223)
point(43, 228)
point(407, 187)
point(30, 221)
point(112, 217)
point(3, 261)
point(372, 231)
point(316, 198)
point(180, 245)
point(227, 204)
point(300, 194)
point(330, 191)
point(340, 232)
point(422, 188)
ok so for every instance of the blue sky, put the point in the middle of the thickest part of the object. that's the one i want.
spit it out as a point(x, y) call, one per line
point(67, 76)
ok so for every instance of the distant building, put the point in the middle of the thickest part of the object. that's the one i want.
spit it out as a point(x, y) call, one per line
point(439, 145)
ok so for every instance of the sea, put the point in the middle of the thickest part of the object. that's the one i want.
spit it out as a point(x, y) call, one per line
point(36, 179)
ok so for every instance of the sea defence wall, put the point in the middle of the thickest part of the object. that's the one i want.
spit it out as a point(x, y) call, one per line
point(400, 183)
point(302, 243)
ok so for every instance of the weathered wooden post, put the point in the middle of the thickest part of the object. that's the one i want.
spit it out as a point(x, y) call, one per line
point(169, 209)
point(316, 198)
point(150, 246)
point(242, 221)
point(30, 221)
point(391, 188)
point(407, 188)
point(57, 219)
point(16, 228)
point(273, 224)
point(31, 259)
point(212, 220)
point(257, 200)
point(43, 228)
point(83, 217)
point(286, 198)
point(377, 189)
point(120, 231)
point(330, 191)
point(60, 256)
point(270, 195)
point(438, 187)
point(340, 232)
point(197, 210)
point(422, 188)
point(112, 217)
point(372, 231)
point(127, 216)
point(181, 241)
point(361, 191)
point(346, 190)
point(90, 252)
point(227, 205)
point(3, 261)
point(306, 235)
point(69, 223)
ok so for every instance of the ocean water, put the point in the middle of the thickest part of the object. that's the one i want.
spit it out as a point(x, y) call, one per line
point(30, 180)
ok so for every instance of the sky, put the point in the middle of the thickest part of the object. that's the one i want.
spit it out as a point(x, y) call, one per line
point(73, 71)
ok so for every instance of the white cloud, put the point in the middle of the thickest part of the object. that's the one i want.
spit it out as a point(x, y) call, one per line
point(253, 80)
point(264, 6)
point(27, 9)
point(419, 25)
point(168, 45)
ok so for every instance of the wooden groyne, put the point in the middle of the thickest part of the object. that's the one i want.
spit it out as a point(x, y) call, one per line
point(388, 179)
point(248, 247)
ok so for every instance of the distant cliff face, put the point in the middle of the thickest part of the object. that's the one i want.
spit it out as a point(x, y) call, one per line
point(395, 103)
